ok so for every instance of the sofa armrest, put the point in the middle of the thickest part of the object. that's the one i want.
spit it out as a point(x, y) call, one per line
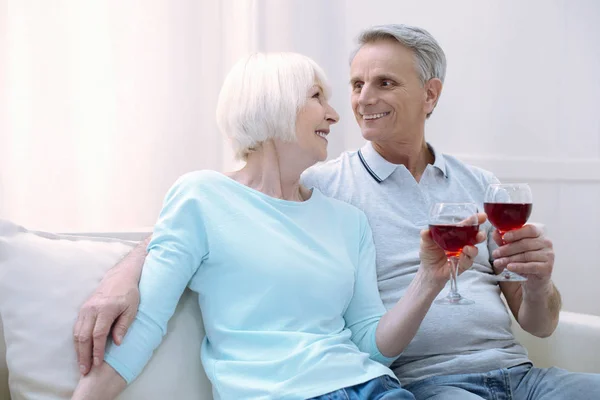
point(574, 346)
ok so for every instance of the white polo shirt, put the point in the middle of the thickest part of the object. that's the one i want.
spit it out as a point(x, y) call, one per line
point(451, 339)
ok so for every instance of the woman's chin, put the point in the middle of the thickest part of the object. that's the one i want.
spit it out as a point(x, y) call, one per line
point(322, 157)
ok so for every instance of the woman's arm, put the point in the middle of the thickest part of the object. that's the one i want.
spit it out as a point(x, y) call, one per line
point(383, 334)
point(177, 249)
point(399, 325)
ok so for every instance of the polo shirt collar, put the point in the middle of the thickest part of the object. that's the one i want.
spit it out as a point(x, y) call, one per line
point(380, 169)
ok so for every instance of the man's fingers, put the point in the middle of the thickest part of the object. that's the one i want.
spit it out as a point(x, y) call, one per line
point(83, 338)
point(522, 246)
point(121, 326)
point(76, 329)
point(527, 231)
point(532, 268)
point(497, 238)
point(530, 256)
point(100, 335)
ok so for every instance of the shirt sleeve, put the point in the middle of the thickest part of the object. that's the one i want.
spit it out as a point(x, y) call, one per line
point(366, 308)
point(178, 247)
point(309, 178)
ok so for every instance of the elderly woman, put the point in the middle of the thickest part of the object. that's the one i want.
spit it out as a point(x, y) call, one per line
point(285, 276)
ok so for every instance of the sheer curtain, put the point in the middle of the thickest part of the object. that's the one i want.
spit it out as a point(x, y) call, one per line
point(106, 103)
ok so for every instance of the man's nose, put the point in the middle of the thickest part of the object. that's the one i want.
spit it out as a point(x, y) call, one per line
point(366, 96)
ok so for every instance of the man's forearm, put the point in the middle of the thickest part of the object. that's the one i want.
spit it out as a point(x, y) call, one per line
point(102, 383)
point(539, 311)
point(130, 267)
point(400, 324)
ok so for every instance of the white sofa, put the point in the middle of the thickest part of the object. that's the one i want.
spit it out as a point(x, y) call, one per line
point(37, 323)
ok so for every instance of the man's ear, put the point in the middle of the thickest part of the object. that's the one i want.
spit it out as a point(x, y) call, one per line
point(433, 90)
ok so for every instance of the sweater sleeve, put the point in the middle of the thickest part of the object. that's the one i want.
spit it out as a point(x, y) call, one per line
point(366, 308)
point(177, 249)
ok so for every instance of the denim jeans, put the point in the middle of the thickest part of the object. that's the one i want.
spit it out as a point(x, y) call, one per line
point(516, 383)
point(381, 388)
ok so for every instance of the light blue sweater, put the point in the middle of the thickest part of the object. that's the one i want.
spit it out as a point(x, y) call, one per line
point(288, 290)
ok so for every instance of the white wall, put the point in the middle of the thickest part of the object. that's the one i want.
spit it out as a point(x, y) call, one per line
point(522, 98)
point(107, 103)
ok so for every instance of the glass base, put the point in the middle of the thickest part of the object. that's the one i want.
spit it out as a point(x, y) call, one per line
point(509, 276)
point(454, 300)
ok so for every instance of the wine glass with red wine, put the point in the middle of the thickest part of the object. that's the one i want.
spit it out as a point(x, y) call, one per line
point(508, 206)
point(453, 226)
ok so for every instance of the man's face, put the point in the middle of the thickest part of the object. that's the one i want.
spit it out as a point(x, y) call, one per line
point(388, 99)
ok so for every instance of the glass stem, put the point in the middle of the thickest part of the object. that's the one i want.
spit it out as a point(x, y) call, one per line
point(453, 261)
point(502, 236)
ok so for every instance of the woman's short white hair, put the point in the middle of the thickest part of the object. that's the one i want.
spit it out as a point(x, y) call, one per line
point(261, 97)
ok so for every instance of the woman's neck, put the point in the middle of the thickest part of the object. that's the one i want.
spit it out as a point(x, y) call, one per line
point(265, 172)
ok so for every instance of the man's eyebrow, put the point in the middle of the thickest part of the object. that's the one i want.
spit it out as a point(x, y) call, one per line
point(380, 77)
point(383, 77)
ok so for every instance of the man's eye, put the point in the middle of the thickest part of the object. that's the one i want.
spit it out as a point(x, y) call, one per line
point(386, 83)
point(317, 95)
point(358, 85)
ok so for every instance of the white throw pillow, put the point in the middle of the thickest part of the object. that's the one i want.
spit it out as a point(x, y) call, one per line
point(44, 279)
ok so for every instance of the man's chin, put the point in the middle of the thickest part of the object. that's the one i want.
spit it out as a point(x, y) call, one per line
point(371, 134)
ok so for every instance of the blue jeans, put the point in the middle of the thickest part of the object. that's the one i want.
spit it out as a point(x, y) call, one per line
point(520, 382)
point(381, 388)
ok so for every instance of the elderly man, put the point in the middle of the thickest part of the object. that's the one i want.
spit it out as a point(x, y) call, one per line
point(459, 352)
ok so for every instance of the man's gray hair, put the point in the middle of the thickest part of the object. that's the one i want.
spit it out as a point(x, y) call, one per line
point(430, 58)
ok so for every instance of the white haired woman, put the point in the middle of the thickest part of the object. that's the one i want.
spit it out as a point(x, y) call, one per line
point(285, 276)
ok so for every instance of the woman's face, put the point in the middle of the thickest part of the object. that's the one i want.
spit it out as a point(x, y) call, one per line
point(312, 125)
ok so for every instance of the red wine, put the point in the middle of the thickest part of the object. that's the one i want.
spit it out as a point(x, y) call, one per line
point(452, 238)
point(507, 216)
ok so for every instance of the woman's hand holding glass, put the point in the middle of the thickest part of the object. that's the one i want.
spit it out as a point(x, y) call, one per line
point(441, 255)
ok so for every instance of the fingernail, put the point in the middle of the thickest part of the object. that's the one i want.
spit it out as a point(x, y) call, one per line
point(119, 338)
point(82, 369)
point(498, 262)
point(496, 253)
point(96, 361)
point(507, 236)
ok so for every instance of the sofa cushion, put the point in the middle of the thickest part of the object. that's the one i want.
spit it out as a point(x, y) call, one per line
point(44, 279)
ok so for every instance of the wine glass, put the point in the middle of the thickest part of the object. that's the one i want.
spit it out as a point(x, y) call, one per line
point(453, 226)
point(508, 206)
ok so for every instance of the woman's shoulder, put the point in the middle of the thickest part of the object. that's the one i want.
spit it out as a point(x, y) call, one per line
point(198, 180)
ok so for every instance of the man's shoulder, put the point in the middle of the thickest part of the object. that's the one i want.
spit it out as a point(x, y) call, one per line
point(323, 174)
point(459, 167)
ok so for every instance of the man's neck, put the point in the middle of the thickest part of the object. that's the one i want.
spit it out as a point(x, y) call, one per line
point(413, 155)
